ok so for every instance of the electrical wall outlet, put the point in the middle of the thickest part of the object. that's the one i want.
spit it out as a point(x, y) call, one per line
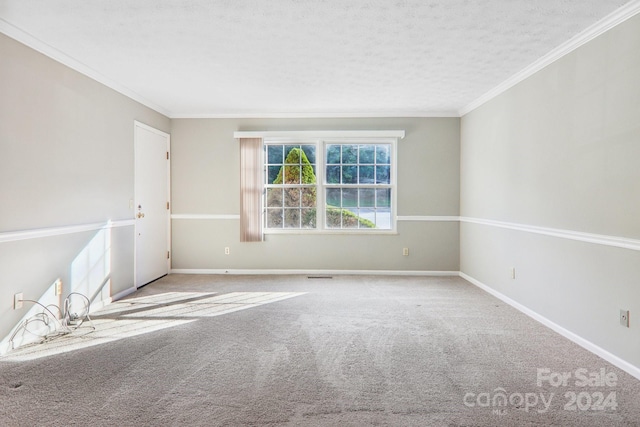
point(405, 251)
point(227, 251)
point(58, 287)
point(17, 301)
point(624, 318)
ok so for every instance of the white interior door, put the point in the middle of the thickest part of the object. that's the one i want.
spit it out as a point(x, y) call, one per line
point(151, 205)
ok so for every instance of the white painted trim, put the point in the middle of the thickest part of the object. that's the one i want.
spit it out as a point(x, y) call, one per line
point(600, 239)
point(588, 345)
point(313, 272)
point(12, 236)
point(55, 54)
point(428, 218)
point(122, 294)
point(153, 130)
point(205, 216)
point(617, 17)
point(321, 134)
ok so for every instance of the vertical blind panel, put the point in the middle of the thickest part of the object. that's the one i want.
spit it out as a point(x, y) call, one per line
point(250, 189)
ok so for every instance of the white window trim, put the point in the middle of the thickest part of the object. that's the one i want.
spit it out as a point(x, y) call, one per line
point(321, 134)
point(321, 138)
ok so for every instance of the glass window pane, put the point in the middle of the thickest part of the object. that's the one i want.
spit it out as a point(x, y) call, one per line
point(274, 218)
point(291, 174)
point(366, 175)
point(333, 218)
point(310, 152)
point(291, 197)
point(367, 197)
point(349, 197)
point(274, 197)
point(292, 155)
point(383, 154)
point(349, 154)
point(308, 218)
point(275, 154)
point(383, 174)
point(349, 219)
point(292, 218)
point(333, 174)
point(273, 172)
point(309, 196)
point(367, 218)
point(383, 219)
point(308, 174)
point(383, 197)
point(349, 174)
point(333, 154)
point(367, 153)
point(333, 197)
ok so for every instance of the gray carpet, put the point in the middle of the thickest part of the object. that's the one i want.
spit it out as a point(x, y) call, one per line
point(289, 350)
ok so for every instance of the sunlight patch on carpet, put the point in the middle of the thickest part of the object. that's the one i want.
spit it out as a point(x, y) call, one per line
point(136, 316)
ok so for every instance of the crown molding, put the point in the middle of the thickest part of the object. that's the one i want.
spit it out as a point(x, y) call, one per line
point(40, 46)
point(617, 17)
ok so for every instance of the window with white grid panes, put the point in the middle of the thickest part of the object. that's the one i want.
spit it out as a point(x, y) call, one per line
point(329, 186)
point(358, 186)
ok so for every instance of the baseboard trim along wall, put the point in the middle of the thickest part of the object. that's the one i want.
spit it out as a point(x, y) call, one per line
point(122, 294)
point(12, 236)
point(588, 345)
point(313, 272)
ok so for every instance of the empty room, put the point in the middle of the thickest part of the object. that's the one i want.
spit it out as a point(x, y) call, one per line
point(324, 213)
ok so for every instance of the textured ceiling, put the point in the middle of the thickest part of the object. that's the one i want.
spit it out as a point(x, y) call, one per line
point(303, 57)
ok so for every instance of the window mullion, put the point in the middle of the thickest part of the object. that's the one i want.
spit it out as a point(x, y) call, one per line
point(320, 184)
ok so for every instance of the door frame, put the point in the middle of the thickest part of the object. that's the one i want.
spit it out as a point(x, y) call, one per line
point(137, 124)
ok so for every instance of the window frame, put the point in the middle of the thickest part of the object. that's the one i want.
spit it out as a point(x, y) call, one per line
point(321, 185)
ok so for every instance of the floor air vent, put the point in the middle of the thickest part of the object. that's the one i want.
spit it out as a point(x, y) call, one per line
point(319, 277)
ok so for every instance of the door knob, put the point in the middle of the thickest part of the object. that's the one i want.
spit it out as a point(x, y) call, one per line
point(140, 215)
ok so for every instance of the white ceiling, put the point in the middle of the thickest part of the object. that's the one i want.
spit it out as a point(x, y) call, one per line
point(217, 58)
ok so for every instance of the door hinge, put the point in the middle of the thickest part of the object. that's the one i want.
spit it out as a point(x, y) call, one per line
point(168, 254)
point(167, 155)
point(167, 205)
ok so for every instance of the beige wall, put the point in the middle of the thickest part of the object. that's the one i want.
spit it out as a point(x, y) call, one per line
point(560, 150)
point(205, 180)
point(67, 159)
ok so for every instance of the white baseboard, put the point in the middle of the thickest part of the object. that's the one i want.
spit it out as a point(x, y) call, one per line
point(314, 272)
point(122, 294)
point(588, 345)
point(97, 305)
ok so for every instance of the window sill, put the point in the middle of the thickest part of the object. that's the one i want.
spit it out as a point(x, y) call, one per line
point(331, 232)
